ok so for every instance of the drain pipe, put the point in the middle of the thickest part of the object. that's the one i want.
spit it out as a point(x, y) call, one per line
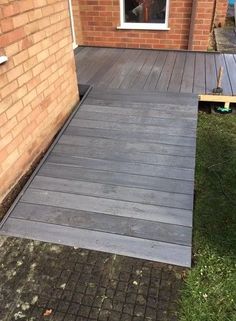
point(213, 15)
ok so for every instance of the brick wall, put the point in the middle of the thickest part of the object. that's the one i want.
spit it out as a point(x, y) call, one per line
point(190, 23)
point(38, 84)
point(220, 12)
point(202, 21)
point(100, 18)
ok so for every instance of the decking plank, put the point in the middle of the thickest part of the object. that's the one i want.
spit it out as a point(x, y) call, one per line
point(108, 206)
point(133, 137)
point(231, 67)
point(165, 111)
point(107, 61)
point(211, 73)
point(156, 71)
point(188, 73)
point(100, 241)
point(189, 132)
point(119, 155)
point(177, 73)
point(154, 97)
point(140, 79)
point(138, 119)
point(134, 70)
point(123, 69)
point(226, 85)
point(110, 73)
point(115, 192)
point(124, 167)
point(164, 79)
point(129, 147)
point(115, 178)
point(149, 230)
point(199, 85)
point(87, 70)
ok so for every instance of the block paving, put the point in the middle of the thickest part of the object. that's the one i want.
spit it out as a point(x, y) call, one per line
point(81, 285)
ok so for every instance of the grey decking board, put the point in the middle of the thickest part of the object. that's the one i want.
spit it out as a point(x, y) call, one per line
point(108, 76)
point(177, 74)
point(156, 71)
point(171, 109)
point(148, 129)
point(211, 76)
point(164, 79)
point(200, 74)
point(105, 65)
point(188, 73)
point(127, 146)
point(154, 97)
point(136, 67)
point(144, 120)
point(86, 69)
point(143, 158)
point(141, 137)
point(117, 178)
point(231, 67)
point(148, 212)
point(146, 249)
point(115, 192)
point(123, 69)
point(150, 230)
point(124, 167)
point(141, 78)
point(166, 112)
point(226, 85)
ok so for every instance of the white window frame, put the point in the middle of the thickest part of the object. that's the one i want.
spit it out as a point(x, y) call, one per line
point(140, 25)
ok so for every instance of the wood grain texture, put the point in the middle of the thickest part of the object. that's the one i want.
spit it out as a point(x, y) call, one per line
point(105, 223)
point(116, 192)
point(140, 248)
point(185, 72)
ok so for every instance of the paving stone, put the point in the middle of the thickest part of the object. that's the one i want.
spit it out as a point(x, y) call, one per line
point(82, 285)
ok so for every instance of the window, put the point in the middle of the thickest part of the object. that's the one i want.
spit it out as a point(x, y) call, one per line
point(144, 14)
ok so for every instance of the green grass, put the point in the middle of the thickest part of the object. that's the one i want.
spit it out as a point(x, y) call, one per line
point(210, 290)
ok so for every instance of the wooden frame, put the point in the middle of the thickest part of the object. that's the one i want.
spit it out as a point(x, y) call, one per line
point(227, 100)
point(218, 98)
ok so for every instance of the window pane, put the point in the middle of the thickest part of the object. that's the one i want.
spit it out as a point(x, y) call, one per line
point(145, 11)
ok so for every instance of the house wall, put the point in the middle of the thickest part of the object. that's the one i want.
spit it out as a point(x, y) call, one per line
point(190, 23)
point(220, 12)
point(38, 86)
point(201, 24)
point(100, 18)
point(77, 20)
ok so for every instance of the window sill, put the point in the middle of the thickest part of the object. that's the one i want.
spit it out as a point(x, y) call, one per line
point(142, 26)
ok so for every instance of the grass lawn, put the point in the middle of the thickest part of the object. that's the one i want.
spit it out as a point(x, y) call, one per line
point(210, 290)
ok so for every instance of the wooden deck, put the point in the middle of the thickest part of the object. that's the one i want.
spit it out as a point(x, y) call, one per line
point(120, 178)
point(165, 71)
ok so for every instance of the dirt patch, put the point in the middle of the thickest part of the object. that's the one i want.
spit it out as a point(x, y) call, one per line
point(10, 198)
